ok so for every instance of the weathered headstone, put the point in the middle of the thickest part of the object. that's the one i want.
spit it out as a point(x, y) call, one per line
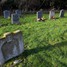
point(18, 12)
point(11, 45)
point(15, 19)
point(51, 14)
point(6, 14)
point(61, 13)
point(39, 14)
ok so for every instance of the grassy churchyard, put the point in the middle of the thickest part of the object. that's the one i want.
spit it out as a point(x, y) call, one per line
point(45, 42)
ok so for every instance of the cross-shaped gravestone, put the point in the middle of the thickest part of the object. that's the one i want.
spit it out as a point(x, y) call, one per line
point(15, 19)
point(11, 45)
point(61, 13)
point(18, 12)
point(6, 14)
point(39, 14)
point(51, 14)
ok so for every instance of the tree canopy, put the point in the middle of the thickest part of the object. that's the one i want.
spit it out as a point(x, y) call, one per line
point(33, 4)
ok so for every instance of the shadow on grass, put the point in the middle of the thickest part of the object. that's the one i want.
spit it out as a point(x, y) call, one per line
point(65, 17)
point(3, 25)
point(49, 48)
point(38, 49)
point(63, 64)
point(57, 18)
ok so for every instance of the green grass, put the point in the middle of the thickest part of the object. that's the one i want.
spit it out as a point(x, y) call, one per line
point(45, 43)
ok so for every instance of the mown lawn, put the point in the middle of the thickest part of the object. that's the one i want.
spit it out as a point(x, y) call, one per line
point(45, 42)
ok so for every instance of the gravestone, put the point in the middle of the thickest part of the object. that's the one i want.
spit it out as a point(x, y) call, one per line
point(11, 45)
point(18, 12)
point(51, 14)
point(61, 13)
point(39, 14)
point(6, 14)
point(15, 19)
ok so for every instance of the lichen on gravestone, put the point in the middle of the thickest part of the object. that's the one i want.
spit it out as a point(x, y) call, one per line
point(12, 43)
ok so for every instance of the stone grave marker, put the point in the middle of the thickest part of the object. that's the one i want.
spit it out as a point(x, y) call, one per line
point(18, 12)
point(15, 19)
point(61, 13)
point(6, 14)
point(52, 14)
point(11, 45)
point(39, 14)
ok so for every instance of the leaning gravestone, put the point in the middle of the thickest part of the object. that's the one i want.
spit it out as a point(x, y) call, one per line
point(15, 19)
point(51, 14)
point(61, 13)
point(39, 14)
point(18, 12)
point(11, 45)
point(6, 14)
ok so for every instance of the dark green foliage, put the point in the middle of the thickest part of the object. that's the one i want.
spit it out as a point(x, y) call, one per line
point(35, 4)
